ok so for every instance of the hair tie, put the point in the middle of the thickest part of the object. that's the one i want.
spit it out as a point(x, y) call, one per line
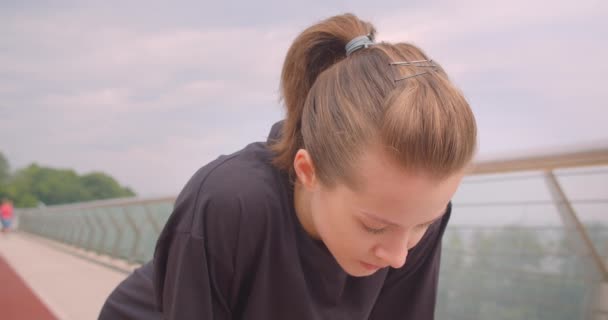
point(358, 43)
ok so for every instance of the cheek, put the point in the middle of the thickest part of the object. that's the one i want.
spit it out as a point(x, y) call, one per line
point(328, 217)
point(413, 241)
point(337, 227)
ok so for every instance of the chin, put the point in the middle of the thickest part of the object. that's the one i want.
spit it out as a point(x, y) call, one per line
point(356, 269)
point(361, 274)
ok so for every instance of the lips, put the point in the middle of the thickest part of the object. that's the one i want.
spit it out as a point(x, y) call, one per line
point(370, 267)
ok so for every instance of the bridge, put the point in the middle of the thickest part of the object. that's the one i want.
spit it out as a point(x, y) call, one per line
point(528, 239)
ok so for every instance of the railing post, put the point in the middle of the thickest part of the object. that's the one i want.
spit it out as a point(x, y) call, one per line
point(79, 240)
point(581, 239)
point(91, 235)
point(571, 221)
point(135, 228)
point(155, 225)
point(119, 231)
point(102, 227)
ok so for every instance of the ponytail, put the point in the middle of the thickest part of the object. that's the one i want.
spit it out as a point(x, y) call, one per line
point(315, 50)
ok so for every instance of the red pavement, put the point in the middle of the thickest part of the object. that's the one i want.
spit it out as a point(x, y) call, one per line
point(17, 301)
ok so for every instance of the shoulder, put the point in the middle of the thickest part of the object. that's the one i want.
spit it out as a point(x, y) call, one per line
point(243, 188)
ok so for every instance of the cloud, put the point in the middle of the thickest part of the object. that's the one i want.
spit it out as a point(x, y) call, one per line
point(151, 95)
point(521, 64)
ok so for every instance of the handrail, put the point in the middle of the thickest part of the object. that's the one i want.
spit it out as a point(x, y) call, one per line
point(102, 203)
point(583, 158)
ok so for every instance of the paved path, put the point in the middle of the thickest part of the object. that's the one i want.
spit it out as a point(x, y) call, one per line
point(17, 301)
point(70, 287)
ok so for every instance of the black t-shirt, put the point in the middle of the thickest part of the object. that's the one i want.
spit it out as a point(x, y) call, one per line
point(233, 248)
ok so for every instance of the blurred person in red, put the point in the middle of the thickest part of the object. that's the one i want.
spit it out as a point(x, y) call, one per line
point(6, 214)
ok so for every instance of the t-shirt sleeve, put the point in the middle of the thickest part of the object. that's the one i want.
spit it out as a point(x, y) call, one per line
point(411, 291)
point(191, 285)
point(133, 299)
point(195, 257)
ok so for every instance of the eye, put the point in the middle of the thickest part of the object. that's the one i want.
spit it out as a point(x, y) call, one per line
point(424, 226)
point(373, 230)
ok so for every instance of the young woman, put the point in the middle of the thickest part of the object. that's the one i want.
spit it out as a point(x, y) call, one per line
point(339, 215)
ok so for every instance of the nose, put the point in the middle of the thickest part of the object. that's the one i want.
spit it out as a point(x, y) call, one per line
point(395, 255)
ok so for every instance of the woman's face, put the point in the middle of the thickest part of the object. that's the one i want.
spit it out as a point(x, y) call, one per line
point(374, 226)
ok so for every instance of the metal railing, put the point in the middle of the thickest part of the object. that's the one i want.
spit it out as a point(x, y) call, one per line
point(523, 243)
point(528, 240)
point(123, 228)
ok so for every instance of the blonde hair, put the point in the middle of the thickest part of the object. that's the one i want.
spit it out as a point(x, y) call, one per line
point(337, 106)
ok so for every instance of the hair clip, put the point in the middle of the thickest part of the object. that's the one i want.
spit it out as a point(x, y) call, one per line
point(416, 63)
point(411, 76)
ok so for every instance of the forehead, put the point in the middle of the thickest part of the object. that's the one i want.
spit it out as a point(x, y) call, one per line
point(387, 189)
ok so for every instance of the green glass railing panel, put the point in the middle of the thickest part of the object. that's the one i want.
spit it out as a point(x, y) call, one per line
point(130, 235)
point(157, 215)
point(81, 235)
point(109, 233)
point(95, 237)
point(118, 226)
point(508, 255)
point(76, 228)
point(161, 212)
point(145, 249)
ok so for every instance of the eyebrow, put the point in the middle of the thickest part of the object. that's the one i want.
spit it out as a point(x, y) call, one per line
point(397, 225)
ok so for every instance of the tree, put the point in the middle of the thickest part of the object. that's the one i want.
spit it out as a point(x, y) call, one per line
point(101, 186)
point(4, 170)
point(34, 184)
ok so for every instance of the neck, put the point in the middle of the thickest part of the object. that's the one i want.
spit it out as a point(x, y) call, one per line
point(302, 206)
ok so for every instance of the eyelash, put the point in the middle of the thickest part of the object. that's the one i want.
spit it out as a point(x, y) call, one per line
point(426, 225)
point(373, 230)
point(381, 230)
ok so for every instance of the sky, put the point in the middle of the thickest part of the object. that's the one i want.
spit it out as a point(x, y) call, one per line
point(150, 91)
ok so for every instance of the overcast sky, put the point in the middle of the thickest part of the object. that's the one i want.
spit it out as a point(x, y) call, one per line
point(149, 92)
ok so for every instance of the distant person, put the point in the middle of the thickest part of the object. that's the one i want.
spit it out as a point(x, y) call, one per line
point(339, 214)
point(6, 214)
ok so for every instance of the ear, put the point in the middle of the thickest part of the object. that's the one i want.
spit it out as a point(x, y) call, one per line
point(305, 169)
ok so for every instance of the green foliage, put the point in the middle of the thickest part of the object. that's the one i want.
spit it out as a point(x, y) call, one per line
point(101, 186)
point(34, 185)
point(4, 170)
